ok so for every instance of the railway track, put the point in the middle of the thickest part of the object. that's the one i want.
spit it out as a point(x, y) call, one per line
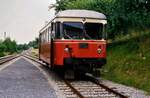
point(90, 88)
point(7, 58)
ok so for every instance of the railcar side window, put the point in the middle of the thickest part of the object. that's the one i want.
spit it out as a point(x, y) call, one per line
point(58, 31)
point(49, 32)
point(47, 39)
point(45, 36)
point(94, 30)
point(42, 38)
point(53, 30)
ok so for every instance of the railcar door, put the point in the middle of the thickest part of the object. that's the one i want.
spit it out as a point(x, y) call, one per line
point(52, 35)
point(55, 34)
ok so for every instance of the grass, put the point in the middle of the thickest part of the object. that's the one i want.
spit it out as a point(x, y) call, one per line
point(34, 52)
point(2, 54)
point(129, 62)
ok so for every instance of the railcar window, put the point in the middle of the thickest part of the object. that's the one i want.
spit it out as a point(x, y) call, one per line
point(73, 30)
point(94, 30)
point(58, 31)
point(52, 26)
point(53, 30)
point(42, 37)
point(47, 35)
point(49, 32)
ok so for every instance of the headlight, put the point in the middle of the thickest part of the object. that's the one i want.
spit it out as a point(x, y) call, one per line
point(99, 50)
point(66, 49)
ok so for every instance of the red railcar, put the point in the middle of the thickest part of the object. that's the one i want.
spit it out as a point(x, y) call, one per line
point(74, 39)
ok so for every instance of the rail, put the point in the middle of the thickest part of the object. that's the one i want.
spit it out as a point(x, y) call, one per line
point(7, 58)
point(96, 81)
point(109, 93)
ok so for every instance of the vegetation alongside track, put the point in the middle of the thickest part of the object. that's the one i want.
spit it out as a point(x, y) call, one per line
point(9, 46)
point(129, 61)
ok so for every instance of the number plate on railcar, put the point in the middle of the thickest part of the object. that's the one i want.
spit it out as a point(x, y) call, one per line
point(83, 45)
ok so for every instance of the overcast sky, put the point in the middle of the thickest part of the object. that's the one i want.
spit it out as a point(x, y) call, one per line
point(22, 19)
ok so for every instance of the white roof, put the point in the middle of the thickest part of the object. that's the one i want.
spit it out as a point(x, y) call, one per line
point(81, 13)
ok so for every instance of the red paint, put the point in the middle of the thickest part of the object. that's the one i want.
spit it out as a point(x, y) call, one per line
point(59, 53)
point(76, 52)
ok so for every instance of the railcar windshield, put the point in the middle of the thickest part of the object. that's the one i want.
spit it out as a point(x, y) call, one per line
point(77, 30)
point(94, 30)
point(73, 30)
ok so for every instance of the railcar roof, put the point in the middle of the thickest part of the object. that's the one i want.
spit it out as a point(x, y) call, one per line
point(81, 13)
point(77, 14)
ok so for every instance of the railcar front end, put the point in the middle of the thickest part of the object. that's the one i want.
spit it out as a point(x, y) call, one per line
point(82, 46)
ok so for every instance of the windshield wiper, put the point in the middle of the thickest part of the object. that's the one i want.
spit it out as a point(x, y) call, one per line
point(85, 34)
point(67, 35)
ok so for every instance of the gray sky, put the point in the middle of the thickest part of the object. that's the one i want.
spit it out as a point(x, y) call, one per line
point(22, 19)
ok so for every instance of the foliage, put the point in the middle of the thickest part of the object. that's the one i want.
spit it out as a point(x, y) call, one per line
point(34, 43)
point(25, 46)
point(2, 49)
point(10, 46)
point(22, 47)
point(121, 14)
point(129, 63)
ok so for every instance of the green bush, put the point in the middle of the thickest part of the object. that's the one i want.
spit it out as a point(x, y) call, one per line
point(121, 14)
point(2, 54)
point(129, 63)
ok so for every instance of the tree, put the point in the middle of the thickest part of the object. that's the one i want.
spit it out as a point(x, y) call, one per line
point(11, 46)
point(34, 43)
point(122, 15)
point(2, 49)
point(22, 47)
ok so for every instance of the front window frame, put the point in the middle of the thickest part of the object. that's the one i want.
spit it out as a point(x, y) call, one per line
point(103, 33)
